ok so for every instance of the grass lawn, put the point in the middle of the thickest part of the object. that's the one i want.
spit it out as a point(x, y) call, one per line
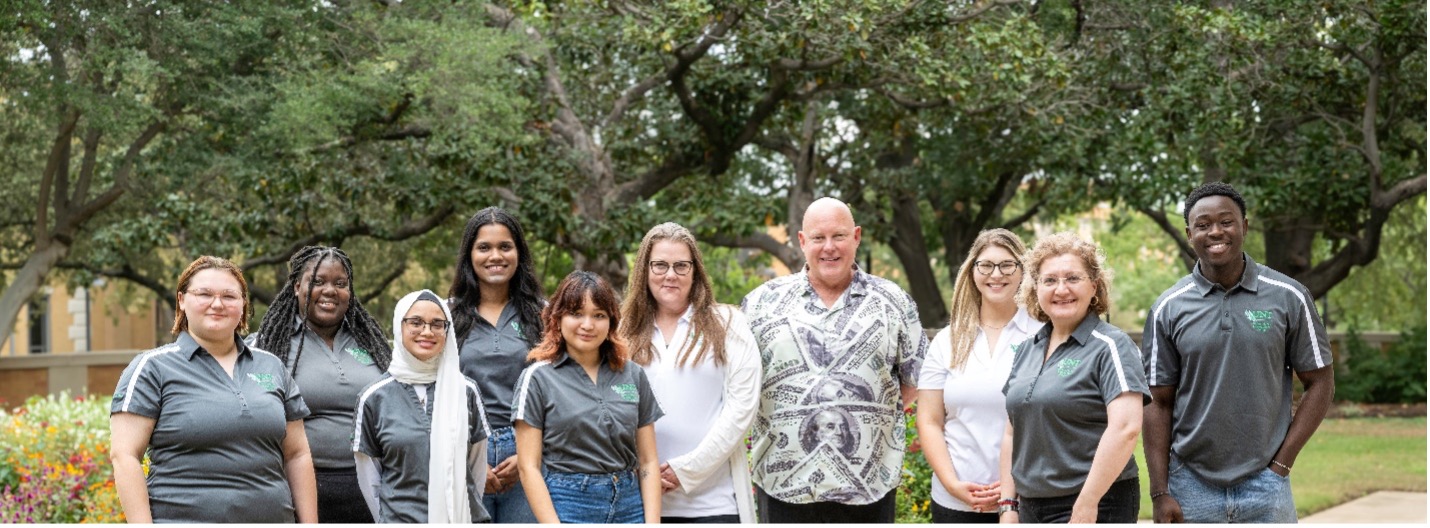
point(1346, 459)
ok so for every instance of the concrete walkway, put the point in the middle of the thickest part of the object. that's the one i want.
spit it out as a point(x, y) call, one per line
point(1379, 507)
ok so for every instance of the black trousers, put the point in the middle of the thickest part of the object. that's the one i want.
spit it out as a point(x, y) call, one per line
point(713, 519)
point(773, 510)
point(942, 515)
point(1120, 504)
point(340, 498)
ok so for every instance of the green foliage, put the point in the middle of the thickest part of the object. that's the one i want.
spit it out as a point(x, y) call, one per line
point(1396, 375)
point(1389, 293)
point(914, 502)
point(54, 462)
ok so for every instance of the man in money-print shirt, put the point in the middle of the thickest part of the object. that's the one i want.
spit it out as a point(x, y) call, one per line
point(839, 347)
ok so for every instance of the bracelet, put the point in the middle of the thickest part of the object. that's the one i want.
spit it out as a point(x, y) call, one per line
point(1282, 466)
point(1156, 494)
point(1010, 501)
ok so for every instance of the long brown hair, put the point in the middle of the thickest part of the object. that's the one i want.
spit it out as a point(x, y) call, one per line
point(967, 300)
point(568, 299)
point(639, 308)
point(181, 320)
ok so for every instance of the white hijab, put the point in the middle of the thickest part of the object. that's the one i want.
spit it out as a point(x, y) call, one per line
point(447, 466)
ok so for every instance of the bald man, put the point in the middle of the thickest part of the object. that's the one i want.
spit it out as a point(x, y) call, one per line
point(832, 325)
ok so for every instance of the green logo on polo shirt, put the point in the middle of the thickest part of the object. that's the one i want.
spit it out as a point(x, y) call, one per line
point(1260, 319)
point(264, 381)
point(1066, 366)
point(516, 326)
point(361, 355)
point(627, 391)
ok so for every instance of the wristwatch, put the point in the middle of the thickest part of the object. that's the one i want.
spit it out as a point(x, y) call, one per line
point(1007, 505)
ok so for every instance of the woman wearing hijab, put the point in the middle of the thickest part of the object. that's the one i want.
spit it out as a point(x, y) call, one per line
point(420, 432)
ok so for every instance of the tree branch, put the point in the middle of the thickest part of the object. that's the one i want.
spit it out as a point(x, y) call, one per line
point(386, 280)
point(1184, 249)
point(65, 227)
point(789, 256)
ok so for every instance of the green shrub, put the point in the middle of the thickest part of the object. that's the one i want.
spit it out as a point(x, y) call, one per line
point(1396, 375)
point(913, 501)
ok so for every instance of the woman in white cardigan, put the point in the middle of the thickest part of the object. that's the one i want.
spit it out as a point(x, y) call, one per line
point(693, 349)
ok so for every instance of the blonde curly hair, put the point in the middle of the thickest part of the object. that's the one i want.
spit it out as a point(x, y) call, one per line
point(1066, 243)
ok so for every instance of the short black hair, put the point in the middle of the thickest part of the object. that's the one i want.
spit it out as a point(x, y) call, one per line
point(1215, 188)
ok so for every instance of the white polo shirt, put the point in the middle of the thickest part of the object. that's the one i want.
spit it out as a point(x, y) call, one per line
point(973, 402)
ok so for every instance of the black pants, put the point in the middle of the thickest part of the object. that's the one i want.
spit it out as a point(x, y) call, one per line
point(1120, 504)
point(773, 510)
point(713, 519)
point(942, 515)
point(340, 498)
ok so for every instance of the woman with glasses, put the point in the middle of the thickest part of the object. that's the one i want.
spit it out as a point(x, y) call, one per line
point(222, 421)
point(585, 416)
point(960, 407)
point(496, 308)
point(705, 371)
point(1074, 397)
point(333, 348)
point(420, 432)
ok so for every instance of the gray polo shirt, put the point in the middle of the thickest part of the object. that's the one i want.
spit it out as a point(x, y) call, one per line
point(586, 427)
point(395, 429)
point(1230, 353)
point(331, 379)
point(494, 357)
point(1058, 407)
point(217, 447)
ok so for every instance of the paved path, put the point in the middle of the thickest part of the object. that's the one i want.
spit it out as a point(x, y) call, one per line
point(1378, 507)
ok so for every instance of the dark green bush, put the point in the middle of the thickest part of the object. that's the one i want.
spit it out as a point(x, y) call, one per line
point(1396, 375)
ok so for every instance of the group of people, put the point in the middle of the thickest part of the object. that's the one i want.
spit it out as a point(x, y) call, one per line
point(499, 404)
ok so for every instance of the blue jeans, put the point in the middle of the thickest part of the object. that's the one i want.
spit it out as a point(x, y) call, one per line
point(1262, 498)
point(510, 506)
point(581, 498)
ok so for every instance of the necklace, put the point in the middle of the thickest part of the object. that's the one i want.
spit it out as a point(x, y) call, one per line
point(994, 327)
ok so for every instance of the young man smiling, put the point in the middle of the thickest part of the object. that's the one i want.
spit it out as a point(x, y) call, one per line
point(1220, 347)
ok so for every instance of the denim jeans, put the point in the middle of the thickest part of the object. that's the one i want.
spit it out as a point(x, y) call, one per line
point(510, 506)
point(1262, 498)
point(581, 498)
point(1119, 505)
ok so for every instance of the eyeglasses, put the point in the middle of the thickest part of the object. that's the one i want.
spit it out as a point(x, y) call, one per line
point(1071, 280)
point(681, 267)
point(206, 297)
point(986, 267)
point(416, 324)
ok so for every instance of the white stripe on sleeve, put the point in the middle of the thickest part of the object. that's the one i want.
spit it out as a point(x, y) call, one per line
point(1116, 359)
point(1305, 309)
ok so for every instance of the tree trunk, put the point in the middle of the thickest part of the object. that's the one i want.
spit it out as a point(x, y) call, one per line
point(908, 245)
point(27, 281)
point(1288, 246)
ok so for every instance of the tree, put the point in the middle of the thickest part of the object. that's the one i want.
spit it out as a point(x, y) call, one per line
point(1316, 112)
point(90, 95)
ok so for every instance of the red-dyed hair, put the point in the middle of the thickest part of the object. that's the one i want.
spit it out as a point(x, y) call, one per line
point(569, 298)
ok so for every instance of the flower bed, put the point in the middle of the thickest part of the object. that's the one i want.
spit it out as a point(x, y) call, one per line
point(54, 462)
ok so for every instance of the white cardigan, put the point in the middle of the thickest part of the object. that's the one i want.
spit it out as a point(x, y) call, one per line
point(725, 441)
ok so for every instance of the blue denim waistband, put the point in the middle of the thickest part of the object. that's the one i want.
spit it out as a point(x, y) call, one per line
point(583, 480)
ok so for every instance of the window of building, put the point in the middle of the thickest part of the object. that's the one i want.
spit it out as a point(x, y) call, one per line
point(39, 324)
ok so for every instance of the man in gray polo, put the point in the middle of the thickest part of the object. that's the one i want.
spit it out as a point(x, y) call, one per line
point(839, 347)
point(1219, 348)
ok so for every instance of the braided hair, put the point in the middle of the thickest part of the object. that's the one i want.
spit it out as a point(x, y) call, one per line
point(524, 290)
point(275, 333)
